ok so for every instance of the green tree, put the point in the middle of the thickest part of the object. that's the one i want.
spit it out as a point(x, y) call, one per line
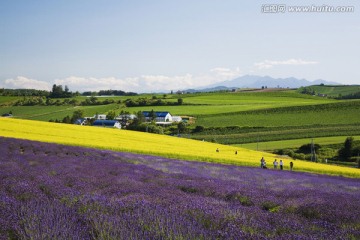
point(137, 121)
point(306, 148)
point(182, 127)
point(140, 117)
point(77, 114)
point(346, 150)
point(66, 119)
point(93, 100)
point(111, 115)
point(57, 91)
point(180, 101)
point(199, 129)
point(152, 115)
point(73, 102)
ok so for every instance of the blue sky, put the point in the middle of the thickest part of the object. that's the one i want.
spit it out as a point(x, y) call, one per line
point(147, 46)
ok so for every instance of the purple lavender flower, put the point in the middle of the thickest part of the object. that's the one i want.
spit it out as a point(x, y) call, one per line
point(50, 191)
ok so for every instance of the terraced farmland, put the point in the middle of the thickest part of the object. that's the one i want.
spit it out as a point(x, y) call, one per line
point(261, 116)
point(272, 145)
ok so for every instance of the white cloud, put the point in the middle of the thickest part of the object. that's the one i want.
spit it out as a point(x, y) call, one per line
point(149, 83)
point(144, 83)
point(96, 84)
point(269, 63)
point(25, 83)
point(140, 84)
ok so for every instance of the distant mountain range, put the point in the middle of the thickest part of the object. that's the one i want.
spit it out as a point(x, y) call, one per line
point(251, 81)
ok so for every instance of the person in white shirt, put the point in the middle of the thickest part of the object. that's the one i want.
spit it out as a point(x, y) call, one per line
point(275, 164)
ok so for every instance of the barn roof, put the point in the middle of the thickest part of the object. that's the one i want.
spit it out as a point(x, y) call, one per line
point(105, 122)
point(158, 114)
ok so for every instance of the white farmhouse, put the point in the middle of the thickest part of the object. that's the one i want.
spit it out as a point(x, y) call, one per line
point(176, 118)
point(160, 116)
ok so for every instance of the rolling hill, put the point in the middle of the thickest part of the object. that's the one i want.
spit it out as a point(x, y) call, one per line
point(151, 144)
point(253, 81)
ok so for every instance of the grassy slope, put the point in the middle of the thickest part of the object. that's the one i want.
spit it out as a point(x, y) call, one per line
point(45, 113)
point(206, 104)
point(202, 104)
point(334, 91)
point(264, 119)
point(272, 145)
point(130, 141)
point(323, 120)
point(7, 100)
point(285, 110)
point(251, 135)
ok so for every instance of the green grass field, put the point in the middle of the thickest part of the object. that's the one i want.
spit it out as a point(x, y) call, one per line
point(203, 105)
point(296, 143)
point(249, 135)
point(45, 113)
point(263, 116)
point(271, 119)
point(334, 91)
point(5, 100)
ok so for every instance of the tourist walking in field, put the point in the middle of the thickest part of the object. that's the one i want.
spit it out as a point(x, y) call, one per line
point(262, 162)
point(281, 164)
point(217, 150)
point(291, 166)
point(275, 164)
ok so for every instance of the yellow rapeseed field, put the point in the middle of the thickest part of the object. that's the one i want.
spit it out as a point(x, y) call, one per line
point(153, 144)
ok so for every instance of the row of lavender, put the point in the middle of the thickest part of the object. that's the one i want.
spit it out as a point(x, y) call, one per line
point(50, 191)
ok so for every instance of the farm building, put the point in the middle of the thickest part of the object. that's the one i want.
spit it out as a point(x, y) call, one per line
point(160, 116)
point(80, 121)
point(107, 123)
point(100, 116)
point(176, 118)
point(126, 117)
point(188, 119)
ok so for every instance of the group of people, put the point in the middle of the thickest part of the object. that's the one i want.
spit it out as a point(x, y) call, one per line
point(275, 164)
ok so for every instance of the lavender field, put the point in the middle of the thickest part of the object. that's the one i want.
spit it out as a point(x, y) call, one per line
point(50, 191)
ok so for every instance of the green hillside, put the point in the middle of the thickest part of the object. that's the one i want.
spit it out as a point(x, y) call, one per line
point(229, 117)
point(194, 104)
point(46, 113)
point(334, 90)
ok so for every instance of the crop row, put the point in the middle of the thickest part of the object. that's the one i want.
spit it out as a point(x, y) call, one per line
point(248, 135)
point(272, 119)
point(329, 142)
point(205, 104)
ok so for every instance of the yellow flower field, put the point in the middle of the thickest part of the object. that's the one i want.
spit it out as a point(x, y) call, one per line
point(153, 144)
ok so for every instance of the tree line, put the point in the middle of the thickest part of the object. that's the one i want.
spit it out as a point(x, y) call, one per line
point(58, 91)
point(43, 101)
point(23, 92)
point(154, 101)
point(109, 93)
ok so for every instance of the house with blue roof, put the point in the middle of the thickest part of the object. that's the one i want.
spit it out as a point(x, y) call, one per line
point(81, 121)
point(160, 116)
point(107, 123)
